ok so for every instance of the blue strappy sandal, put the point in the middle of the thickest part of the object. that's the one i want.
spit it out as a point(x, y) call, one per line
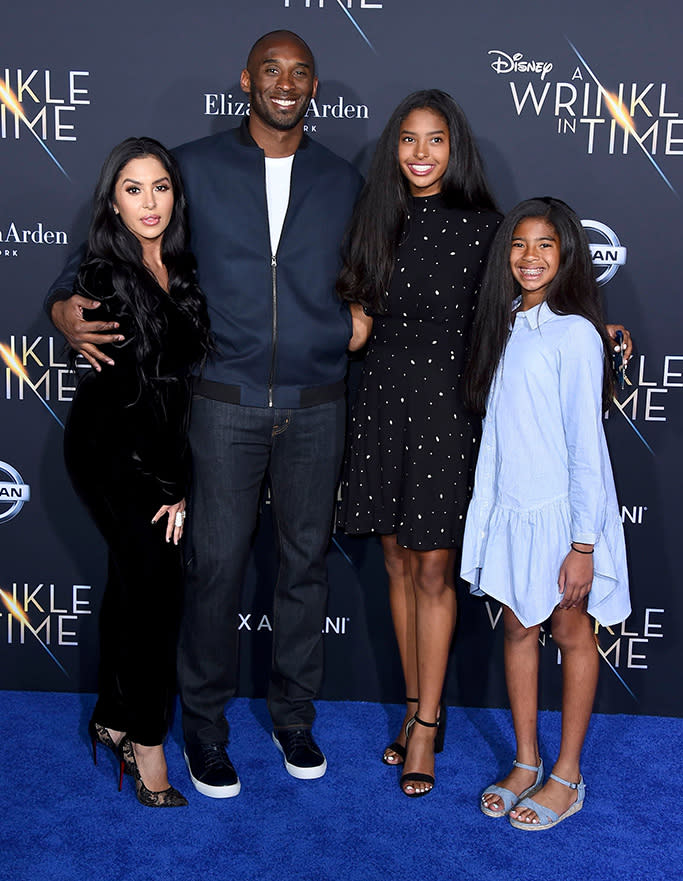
point(547, 818)
point(507, 796)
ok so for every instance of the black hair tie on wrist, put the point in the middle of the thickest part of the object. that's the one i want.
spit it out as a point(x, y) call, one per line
point(581, 552)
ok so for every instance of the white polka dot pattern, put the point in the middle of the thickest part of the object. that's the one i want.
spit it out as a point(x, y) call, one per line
point(412, 445)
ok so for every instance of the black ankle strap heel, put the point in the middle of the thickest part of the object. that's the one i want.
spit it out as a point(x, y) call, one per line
point(419, 721)
point(397, 748)
point(411, 780)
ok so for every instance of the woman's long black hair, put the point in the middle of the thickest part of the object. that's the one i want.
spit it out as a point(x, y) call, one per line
point(382, 209)
point(109, 240)
point(573, 291)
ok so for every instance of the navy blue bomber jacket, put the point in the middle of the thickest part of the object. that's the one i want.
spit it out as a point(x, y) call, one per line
point(280, 330)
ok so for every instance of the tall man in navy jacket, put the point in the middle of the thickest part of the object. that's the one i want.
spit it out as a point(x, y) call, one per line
point(268, 208)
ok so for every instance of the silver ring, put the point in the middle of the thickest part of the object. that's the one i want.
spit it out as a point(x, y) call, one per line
point(179, 518)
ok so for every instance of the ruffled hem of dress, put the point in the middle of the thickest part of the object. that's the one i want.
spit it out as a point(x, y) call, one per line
point(515, 558)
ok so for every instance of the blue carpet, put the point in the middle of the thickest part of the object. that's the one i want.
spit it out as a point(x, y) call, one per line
point(63, 819)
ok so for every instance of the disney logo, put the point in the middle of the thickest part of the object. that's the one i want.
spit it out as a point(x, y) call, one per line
point(505, 63)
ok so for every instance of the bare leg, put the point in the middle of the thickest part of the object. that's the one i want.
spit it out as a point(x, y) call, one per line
point(520, 647)
point(151, 763)
point(573, 632)
point(435, 612)
point(402, 602)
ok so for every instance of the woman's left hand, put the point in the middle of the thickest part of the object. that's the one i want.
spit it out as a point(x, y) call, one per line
point(176, 520)
point(575, 579)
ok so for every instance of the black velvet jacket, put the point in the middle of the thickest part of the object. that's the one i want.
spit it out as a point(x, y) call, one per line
point(136, 413)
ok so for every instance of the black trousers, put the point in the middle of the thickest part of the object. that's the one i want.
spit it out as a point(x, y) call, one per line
point(140, 608)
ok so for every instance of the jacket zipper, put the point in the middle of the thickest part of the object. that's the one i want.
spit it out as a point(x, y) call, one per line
point(271, 377)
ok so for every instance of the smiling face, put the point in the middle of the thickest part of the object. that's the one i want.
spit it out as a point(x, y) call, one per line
point(143, 198)
point(424, 151)
point(280, 81)
point(534, 258)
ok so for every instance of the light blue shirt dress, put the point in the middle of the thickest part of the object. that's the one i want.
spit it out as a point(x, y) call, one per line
point(544, 477)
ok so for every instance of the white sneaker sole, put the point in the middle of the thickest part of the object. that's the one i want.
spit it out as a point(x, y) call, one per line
point(213, 791)
point(296, 770)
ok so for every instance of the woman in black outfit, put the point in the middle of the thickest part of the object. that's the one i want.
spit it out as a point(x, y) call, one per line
point(126, 446)
point(416, 251)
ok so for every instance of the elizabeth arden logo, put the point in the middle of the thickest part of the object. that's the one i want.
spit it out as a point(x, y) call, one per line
point(13, 234)
point(225, 104)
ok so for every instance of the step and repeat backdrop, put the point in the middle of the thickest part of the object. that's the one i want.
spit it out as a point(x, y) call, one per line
point(583, 102)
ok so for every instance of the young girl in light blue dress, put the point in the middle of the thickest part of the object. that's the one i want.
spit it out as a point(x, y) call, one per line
point(543, 534)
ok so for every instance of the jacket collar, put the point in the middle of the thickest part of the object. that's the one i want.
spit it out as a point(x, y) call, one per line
point(246, 140)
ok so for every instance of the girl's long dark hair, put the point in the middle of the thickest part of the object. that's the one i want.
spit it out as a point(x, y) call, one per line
point(111, 241)
point(573, 291)
point(382, 209)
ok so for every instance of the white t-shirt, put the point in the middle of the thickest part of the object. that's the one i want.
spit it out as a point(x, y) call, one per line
point(278, 178)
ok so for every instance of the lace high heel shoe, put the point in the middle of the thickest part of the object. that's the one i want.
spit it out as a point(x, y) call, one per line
point(396, 747)
point(99, 734)
point(412, 777)
point(166, 798)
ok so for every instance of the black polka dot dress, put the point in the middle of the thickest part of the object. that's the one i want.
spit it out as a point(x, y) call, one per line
point(412, 444)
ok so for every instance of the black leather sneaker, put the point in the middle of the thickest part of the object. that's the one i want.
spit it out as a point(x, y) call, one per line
point(211, 771)
point(303, 757)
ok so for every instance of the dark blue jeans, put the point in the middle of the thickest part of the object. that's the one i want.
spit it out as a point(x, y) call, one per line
point(233, 449)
